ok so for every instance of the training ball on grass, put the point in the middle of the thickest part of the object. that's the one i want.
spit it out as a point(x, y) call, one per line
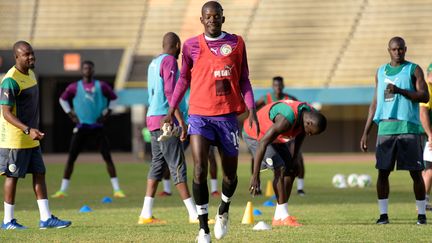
point(339, 181)
point(261, 225)
point(364, 181)
point(352, 180)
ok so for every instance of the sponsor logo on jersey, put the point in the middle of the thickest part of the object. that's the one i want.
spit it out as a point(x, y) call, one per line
point(225, 49)
point(226, 72)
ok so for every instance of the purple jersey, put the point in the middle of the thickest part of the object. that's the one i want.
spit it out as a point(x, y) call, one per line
point(71, 90)
point(191, 51)
point(168, 71)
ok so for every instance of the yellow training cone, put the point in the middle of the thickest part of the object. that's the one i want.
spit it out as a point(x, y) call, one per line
point(269, 189)
point(248, 214)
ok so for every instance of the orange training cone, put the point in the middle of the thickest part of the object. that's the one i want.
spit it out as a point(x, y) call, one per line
point(269, 189)
point(248, 214)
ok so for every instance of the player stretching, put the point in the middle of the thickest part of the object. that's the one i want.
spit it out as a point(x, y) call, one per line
point(280, 122)
point(278, 94)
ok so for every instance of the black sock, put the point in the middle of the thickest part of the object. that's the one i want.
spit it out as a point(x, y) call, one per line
point(201, 196)
point(200, 193)
point(228, 190)
point(203, 221)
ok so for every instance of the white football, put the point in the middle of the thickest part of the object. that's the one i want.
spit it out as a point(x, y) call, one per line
point(352, 180)
point(339, 181)
point(364, 181)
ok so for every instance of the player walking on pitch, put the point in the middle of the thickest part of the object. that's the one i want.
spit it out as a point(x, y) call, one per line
point(215, 68)
point(162, 77)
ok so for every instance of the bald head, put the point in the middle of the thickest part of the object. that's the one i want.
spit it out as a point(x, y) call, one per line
point(171, 44)
point(397, 40)
point(24, 56)
point(19, 45)
point(211, 5)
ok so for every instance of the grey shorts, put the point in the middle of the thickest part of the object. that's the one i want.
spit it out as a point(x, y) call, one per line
point(276, 155)
point(406, 149)
point(169, 154)
point(26, 161)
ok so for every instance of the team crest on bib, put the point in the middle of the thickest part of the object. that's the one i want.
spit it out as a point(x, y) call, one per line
point(225, 49)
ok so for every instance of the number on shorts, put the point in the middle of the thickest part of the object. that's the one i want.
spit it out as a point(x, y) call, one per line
point(236, 139)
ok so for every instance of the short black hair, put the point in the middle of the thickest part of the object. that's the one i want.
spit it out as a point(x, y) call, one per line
point(398, 40)
point(87, 62)
point(278, 78)
point(212, 4)
point(320, 120)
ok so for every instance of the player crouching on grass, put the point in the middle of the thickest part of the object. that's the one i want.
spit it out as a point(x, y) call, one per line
point(282, 123)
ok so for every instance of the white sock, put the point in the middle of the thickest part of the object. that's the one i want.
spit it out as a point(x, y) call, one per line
point(225, 198)
point(281, 211)
point(202, 209)
point(191, 208)
point(276, 213)
point(421, 206)
point(64, 185)
point(300, 184)
point(115, 183)
point(213, 185)
point(166, 185)
point(383, 205)
point(147, 208)
point(8, 212)
point(44, 210)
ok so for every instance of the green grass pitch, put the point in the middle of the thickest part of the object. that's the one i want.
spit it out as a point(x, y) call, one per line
point(328, 214)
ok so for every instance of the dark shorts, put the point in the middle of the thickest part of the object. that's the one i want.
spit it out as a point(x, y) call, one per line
point(406, 149)
point(223, 134)
point(427, 164)
point(276, 155)
point(168, 153)
point(26, 161)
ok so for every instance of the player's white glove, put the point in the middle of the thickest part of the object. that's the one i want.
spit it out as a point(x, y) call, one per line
point(169, 131)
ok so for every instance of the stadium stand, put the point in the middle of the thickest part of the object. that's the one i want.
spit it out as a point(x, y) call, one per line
point(182, 18)
point(86, 24)
point(327, 51)
point(299, 40)
point(16, 23)
point(311, 43)
point(160, 17)
point(383, 19)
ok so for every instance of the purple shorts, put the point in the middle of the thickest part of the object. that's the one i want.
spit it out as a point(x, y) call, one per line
point(222, 131)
